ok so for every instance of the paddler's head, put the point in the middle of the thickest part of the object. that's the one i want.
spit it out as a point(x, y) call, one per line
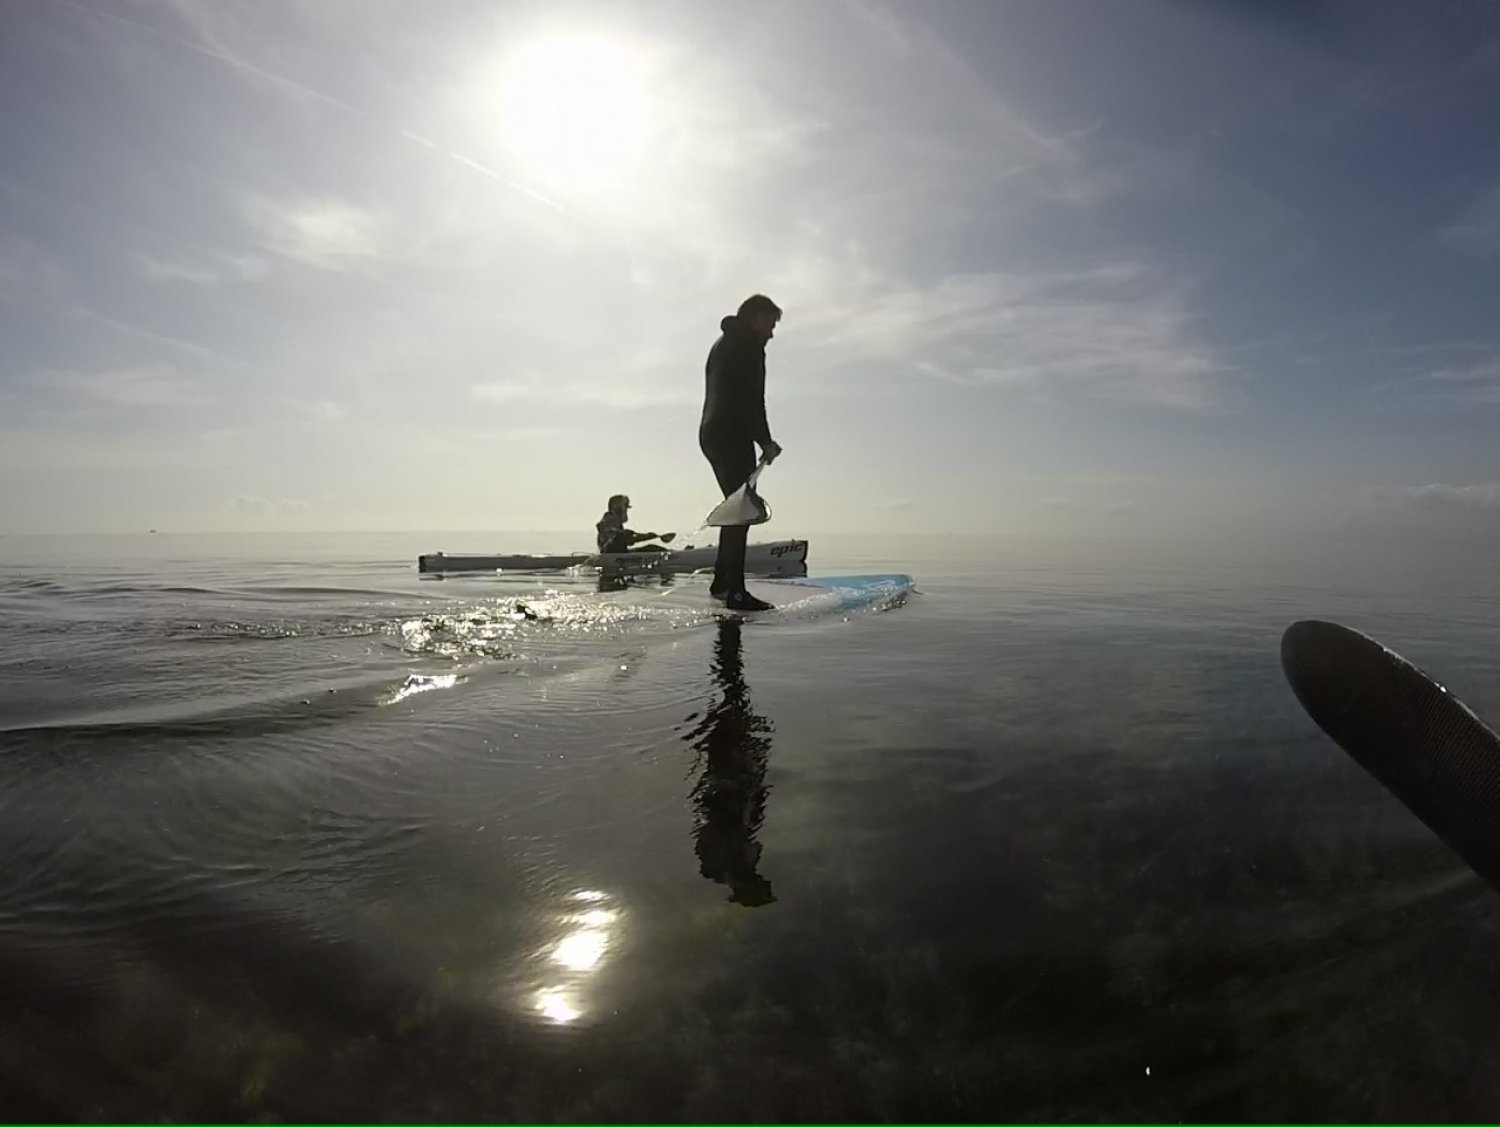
point(759, 314)
point(619, 504)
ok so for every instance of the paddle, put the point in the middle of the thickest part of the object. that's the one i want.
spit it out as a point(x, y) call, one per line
point(1404, 728)
point(743, 506)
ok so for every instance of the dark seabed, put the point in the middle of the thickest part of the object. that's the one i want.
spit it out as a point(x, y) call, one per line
point(287, 832)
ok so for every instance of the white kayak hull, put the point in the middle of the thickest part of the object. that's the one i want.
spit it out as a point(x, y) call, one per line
point(776, 557)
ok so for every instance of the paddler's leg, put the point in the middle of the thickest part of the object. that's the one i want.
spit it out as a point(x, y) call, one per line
point(720, 587)
point(733, 554)
point(729, 568)
point(733, 461)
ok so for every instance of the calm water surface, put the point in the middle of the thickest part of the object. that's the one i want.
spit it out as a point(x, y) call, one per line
point(288, 832)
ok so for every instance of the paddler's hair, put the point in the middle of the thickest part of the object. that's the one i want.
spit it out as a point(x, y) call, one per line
point(618, 501)
point(758, 303)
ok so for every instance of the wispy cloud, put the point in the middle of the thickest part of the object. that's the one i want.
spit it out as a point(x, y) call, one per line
point(1483, 496)
point(53, 447)
point(148, 334)
point(204, 20)
point(1477, 229)
point(322, 411)
point(253, 504)
point(1066, 504)
point(217, 271)
point(293, 215)
point(1112, 332)
point(133, 388)
point(1002, 132)
point(212, 47)
point(1465, 384)
point(557, 395)
point(1060, 504)
point(328, 233)
point(26, 271)
point(13, 270)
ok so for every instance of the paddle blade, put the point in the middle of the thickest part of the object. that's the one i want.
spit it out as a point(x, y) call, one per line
point(1404, 728)
point(743, 506)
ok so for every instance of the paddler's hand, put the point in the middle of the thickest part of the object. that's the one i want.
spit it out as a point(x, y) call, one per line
point(770, 451)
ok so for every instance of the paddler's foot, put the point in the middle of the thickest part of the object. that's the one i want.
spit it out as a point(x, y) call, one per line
point(717, 592)
point(744, 600)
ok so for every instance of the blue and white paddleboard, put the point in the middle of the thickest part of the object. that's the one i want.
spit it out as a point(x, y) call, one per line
point(833, 592)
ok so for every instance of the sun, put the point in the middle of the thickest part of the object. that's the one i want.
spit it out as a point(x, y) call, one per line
point(575, 110)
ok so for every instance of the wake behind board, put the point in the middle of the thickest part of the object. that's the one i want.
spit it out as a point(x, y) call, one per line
point(823, 593)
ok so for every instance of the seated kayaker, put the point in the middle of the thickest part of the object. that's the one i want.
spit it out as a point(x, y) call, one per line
point(614, 537)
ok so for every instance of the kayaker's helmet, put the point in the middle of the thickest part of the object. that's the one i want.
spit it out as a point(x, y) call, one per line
point(619, 503)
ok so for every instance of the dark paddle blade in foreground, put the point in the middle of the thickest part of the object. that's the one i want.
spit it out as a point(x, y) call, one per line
point(1404, 728)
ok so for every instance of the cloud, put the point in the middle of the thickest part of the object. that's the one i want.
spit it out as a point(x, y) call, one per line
point(1482, 372)
point(211, 24)
point(198, 17)
point(209, 20)
point(1483, 496)
point(1114, 331)
point(12, 280)
point(323, 411)
point(1060, 504)
point(137, 331)
point(918, 225)
point(265, 506)
point(621, 396)
point(26, 271)
point(131, 388)
point(1001, 134)
point(14, 270)
point(1476, 231)
point(328, 233)
point(222, 269)
point(156, 271)
point(883, 23)
point(1110, 332)
point(505, 391)
point(49, 449)
point(1476, 383)
point(1065, 504)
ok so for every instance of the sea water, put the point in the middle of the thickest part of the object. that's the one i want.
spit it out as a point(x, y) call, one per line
point(288, 831)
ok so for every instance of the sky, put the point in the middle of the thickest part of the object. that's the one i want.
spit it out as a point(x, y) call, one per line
point(1048, 266)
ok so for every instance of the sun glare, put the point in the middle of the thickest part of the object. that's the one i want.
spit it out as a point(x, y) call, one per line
point(575, 110)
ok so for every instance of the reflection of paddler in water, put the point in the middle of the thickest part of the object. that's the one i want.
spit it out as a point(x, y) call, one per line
point(732, 744)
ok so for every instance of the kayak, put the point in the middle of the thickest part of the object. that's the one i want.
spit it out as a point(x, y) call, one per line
point(776, 557)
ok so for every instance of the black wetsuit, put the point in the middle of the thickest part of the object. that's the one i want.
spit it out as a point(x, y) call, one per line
point(734, 420)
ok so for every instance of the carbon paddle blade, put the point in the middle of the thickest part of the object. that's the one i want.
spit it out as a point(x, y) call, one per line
point(1404, 728)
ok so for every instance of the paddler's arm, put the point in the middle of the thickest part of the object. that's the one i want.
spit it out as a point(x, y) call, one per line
point(638, 537)
point(760, 428)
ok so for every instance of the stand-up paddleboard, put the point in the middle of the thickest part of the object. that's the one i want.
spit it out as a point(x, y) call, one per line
point(1425, 745)
point(815, 593)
